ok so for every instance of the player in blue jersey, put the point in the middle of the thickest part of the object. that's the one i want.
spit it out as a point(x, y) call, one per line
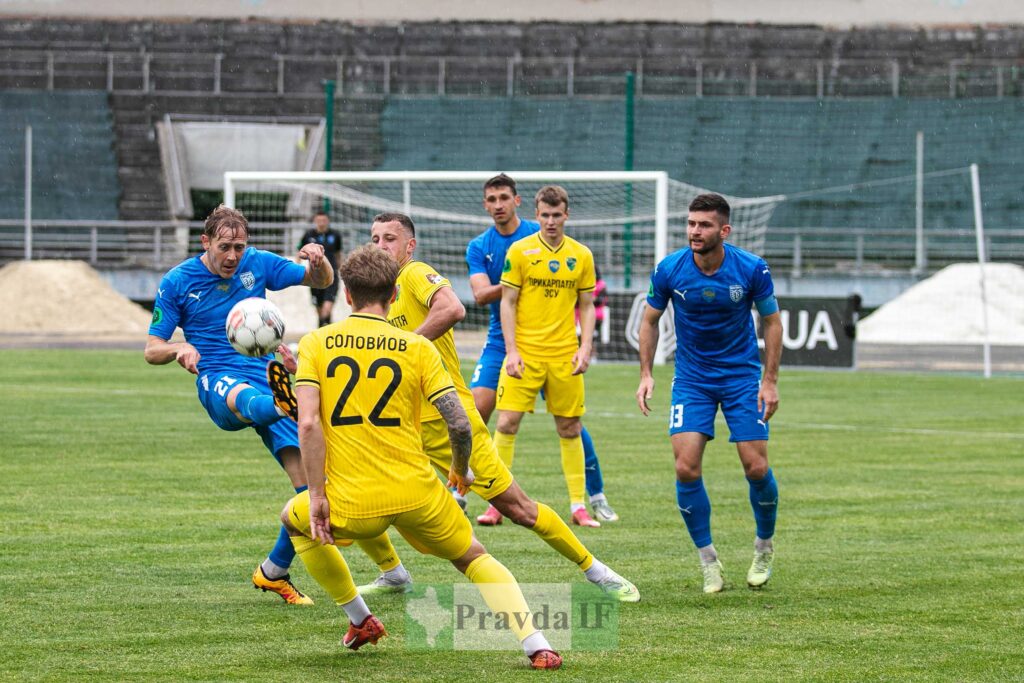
point(712, 287)
point(485, 256)
point(196, 296)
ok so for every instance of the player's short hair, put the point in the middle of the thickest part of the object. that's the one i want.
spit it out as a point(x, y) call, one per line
point(552, 195)
point(321, 212)
point(223, 218)
point(369, 274)
point(711, 202)
point(501, 180)
point(392, 217)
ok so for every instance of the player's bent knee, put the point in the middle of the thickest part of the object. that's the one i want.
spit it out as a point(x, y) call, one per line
point(568, 427)
point(286, 522)
point(756, 470)
point(509, 423)
point(476, 549)
point(687, 472)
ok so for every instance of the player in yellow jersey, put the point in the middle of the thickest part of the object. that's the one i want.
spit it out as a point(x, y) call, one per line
point(360, 387)
point(543, 279)
point(426, 304)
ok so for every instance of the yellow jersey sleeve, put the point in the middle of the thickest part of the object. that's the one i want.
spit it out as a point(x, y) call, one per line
point(308, 372)
point(588, 275)
point(423, 281)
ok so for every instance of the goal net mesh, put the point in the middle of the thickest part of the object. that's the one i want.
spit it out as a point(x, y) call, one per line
point(615, 219)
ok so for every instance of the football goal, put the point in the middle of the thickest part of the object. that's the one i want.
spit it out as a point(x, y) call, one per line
point(630, 220)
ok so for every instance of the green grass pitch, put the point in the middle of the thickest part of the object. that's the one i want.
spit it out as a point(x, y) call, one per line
point(131, 525)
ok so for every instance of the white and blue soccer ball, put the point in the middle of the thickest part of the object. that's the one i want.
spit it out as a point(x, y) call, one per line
point(254, 327)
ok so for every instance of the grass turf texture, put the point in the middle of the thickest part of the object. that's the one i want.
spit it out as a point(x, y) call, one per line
point(131, 525)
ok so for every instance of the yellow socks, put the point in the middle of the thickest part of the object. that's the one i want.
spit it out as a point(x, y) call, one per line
point(325, 564)
point(573, 469)
point(501, 592)
point(506, 445)
point(557, 534)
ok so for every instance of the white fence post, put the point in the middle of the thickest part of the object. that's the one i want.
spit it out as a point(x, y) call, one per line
point(28, 193)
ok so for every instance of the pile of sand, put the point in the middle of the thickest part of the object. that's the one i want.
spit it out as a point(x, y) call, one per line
point(946, 309)
point(65, 297)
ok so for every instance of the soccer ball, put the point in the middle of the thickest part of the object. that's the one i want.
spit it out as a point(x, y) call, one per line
point(255, 327)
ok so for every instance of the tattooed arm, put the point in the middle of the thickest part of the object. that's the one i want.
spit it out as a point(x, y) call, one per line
point(460, 433)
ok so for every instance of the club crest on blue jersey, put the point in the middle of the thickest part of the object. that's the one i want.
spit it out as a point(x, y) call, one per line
point(570, 263)
point(553, 266)
point(736, 293)
point(248, 279)
point(708, 294)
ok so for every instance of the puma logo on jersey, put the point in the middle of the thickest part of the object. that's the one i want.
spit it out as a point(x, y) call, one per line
point(682, 294)
point(195, 295)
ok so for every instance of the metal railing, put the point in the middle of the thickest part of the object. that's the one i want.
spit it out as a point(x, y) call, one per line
point(285, 74)
point(795, 251)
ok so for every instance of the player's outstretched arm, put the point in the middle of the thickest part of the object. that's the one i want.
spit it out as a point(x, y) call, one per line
point(161, 352)
point(483, 291)
point(768, 394)
point(319, 275)
point(460, 433)
point(509, 303)
point(445, 311)
point(581, 359)
point(648, 345)
point(314, 457)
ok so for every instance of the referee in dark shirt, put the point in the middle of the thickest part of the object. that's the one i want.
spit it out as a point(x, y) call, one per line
point(323, 299)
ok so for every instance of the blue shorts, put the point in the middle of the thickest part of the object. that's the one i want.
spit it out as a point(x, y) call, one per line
point(488, 368)
point(213, 389)
point(694, 406)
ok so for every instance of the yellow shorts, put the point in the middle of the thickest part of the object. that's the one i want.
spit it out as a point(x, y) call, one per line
point(563, 390)
point(491, 476)
point(438, 527)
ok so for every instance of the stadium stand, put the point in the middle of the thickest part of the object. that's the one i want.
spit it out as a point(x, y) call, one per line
point(752, 146)
point(755, 94)
point(75, 172)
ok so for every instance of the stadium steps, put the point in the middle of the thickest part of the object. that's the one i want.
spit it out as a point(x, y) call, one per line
point(74, 168)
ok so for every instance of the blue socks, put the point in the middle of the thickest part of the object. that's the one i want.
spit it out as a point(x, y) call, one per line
point(284, 552)
point(695, 507)
point(254, 405)
point(764, 499)
point(592, 468)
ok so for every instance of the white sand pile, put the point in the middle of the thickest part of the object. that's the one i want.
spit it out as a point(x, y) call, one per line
point(65, 297)
point(946, 309)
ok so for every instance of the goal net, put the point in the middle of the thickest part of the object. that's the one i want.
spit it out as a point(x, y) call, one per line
point(630, 220)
